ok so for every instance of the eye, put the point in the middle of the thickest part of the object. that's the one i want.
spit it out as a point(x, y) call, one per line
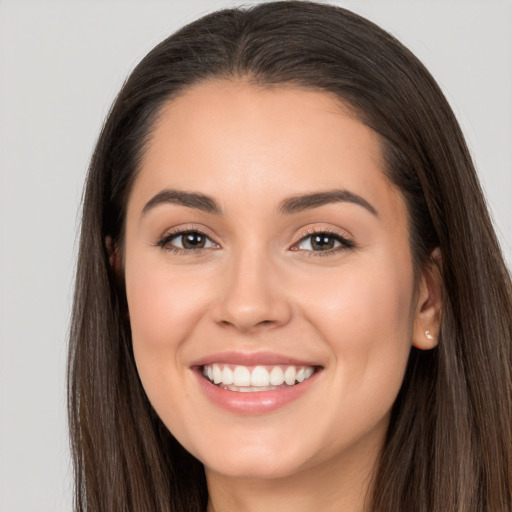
point(323, 242)
point(189, 240)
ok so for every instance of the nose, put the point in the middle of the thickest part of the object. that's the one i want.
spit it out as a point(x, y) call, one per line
point(253, 295)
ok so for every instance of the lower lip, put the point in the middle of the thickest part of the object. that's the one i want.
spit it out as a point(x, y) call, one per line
point(256, 402)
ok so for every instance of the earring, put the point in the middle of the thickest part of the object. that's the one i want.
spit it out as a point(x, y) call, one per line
point(429, 336)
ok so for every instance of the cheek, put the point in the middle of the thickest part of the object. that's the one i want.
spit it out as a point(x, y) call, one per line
point(164, 309)
point(362, 298)
point(162, 304)
point(365, 318)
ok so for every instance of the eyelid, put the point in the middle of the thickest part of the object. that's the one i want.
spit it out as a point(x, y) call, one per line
point(345, 240)
point(163, 240)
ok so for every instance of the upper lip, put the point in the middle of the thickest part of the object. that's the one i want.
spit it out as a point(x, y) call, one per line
point(251, 359)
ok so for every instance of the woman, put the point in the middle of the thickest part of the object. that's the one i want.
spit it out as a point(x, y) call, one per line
point(289, 293)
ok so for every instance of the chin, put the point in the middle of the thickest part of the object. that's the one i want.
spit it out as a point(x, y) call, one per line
point(255, 461)
point(257, 468)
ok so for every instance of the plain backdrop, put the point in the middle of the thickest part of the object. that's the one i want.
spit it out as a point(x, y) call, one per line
point(61, 64)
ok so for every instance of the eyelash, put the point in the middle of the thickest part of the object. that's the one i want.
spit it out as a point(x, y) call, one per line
point(345, 244)
point(165, 242)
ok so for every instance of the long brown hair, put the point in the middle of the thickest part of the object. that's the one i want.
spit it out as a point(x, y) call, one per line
point(449, 444)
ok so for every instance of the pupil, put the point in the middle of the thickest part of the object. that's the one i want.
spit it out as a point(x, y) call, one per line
point(322, 242)
point(193, 241)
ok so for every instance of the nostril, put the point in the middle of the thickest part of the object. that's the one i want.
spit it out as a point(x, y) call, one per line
point(238, 325)
point(251, 310)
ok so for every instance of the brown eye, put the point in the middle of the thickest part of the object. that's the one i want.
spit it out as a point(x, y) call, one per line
point(324, 242)
point(193, 240)
point(187, 240)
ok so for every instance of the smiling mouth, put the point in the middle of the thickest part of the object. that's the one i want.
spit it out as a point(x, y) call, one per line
point(251, 379)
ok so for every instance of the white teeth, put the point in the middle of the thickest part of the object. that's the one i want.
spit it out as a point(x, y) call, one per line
point(289, 375)
point(276, 376)
point(260, 378)
point(301, 375)
point(241, 376)
point(227, 375)
point(217, 374)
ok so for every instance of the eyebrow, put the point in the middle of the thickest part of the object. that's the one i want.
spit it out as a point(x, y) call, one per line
point(305, 202)
point(289, 206)
point(189, 199)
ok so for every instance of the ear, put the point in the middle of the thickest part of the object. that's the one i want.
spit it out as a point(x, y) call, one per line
point(114, 257)
point(429, 307)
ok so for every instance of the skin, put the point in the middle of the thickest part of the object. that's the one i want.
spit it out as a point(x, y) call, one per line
point(259, 286)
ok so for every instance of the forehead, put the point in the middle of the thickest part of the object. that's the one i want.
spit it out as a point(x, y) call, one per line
point(238, 142)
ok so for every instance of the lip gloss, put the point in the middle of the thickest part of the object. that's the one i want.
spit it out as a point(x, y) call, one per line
point(254, 402)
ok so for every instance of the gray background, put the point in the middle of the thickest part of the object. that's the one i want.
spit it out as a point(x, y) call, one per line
point(61, 63)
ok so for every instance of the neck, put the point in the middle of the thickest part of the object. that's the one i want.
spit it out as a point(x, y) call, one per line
point(332, 486)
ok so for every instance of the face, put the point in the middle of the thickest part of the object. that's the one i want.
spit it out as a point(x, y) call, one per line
point(266, 251)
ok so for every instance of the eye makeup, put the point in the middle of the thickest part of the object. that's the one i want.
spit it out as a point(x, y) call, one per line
point(318, 242)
